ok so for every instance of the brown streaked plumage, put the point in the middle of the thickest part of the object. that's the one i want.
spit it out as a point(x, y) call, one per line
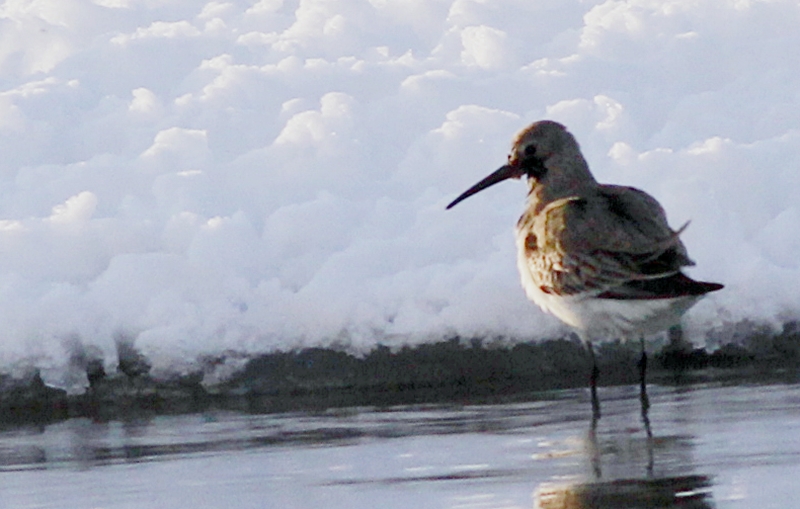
point(602, 258)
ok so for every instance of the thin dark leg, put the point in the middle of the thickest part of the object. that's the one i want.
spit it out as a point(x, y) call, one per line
point(642, 364)
point(593, 386)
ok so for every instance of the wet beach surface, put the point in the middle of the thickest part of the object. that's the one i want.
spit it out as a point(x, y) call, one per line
point(714, 445)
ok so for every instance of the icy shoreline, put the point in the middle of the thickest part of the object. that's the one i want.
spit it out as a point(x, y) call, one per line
point(456, 370)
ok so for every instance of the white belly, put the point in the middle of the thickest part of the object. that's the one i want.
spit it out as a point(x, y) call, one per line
point(615, 319)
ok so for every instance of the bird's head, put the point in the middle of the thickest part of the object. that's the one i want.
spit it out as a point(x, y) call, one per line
point(542, 148)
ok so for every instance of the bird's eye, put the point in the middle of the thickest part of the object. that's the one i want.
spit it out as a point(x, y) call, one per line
point(530, 151)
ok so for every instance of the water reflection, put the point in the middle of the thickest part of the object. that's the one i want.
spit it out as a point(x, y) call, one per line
point(686, 492)
point(623, 474)
point(83, 443)
point(741, 438)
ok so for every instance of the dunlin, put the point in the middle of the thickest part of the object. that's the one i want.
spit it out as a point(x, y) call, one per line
point(602, 258)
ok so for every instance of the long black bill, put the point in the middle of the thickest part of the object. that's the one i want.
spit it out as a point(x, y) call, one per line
point(502, 173)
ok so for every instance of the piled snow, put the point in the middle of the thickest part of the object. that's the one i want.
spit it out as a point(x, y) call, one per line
point(251, 175)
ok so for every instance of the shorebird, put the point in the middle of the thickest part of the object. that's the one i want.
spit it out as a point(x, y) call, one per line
point(602, 258)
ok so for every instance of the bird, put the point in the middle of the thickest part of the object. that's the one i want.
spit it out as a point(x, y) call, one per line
point(600, 257)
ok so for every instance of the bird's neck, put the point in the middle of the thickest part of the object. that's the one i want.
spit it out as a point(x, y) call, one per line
point(566, 177)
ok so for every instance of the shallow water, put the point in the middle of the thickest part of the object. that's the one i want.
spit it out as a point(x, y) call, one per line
point(712, 446)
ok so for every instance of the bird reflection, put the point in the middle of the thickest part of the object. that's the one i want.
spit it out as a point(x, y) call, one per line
point(595, 451)
point(628, 491)
point(685, 492)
